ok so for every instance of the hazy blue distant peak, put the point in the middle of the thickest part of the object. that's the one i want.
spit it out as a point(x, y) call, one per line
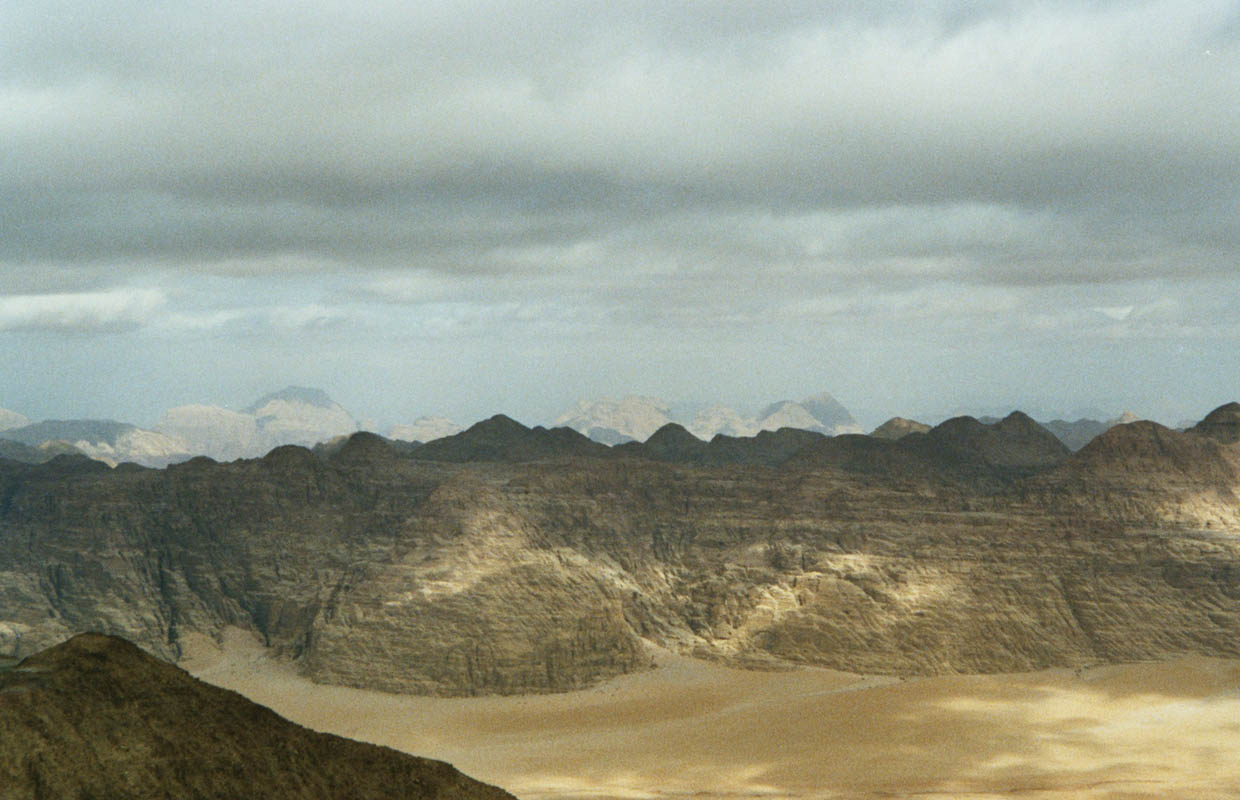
point(822, 407)
point(11, 419)
point(96, 431)
point(295, 394)
point(827, 410)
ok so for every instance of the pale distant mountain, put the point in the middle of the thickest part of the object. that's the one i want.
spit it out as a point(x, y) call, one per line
point(721, 420)
point(1083, 431)
point(637, 418)
point(292, 416)
point(301, 416)
point(295, 415)
point(612, 422)
point(16, 451)
point(425, 429)
point(828, 411)
point(213, 431)
point(11, 419)
point(821, 413)
point(104, 440)
point(787, 414)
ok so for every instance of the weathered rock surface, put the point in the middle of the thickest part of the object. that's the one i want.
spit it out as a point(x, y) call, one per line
point(899, 427)
point(97, 717)
point(1222, 424)
point(970, 548)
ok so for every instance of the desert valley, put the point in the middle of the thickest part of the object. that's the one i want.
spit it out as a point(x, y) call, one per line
point(552, 503)
point(970, 609)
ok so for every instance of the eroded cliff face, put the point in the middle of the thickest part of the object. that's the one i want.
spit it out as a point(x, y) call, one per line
point(372, 569)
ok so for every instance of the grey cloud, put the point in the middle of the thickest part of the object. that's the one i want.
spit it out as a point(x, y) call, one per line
point(881, 143)
point(91, 312)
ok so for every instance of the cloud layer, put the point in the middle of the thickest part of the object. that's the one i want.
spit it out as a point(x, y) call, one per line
point(533, 170)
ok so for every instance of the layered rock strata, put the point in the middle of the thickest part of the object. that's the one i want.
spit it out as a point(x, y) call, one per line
point(373, 568)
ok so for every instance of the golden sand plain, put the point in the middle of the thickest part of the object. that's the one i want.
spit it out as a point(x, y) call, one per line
point(698, 730)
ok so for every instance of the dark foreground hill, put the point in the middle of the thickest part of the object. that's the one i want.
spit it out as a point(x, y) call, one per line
point(969, 548)
point(95, 717)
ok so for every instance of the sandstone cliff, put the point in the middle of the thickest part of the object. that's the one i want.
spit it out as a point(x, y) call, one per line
point(990, 549)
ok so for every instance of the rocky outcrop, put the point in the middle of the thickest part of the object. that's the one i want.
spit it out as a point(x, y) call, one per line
point(899, 427)
point(979, 548)
point(1222, 424)
point(672, 442)
point(1015, 442)
point(97, 717)
point(503, 439)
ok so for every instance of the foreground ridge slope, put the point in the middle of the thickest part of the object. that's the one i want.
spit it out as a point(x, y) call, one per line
point(97, 717)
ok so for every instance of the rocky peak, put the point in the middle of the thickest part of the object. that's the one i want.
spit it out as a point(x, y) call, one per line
point(1014, 442)
point(364, 447)
point(673, 442)
point(899, 427)
point(502, 438)
point(1222, 424)
point(294, 394)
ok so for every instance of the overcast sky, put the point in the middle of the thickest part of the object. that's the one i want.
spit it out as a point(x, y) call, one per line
point(471, 207)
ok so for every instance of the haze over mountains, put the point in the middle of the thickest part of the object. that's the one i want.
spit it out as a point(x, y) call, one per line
point(635, 418)
point(307, 417)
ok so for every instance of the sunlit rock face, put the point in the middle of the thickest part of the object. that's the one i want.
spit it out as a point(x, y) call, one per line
point(506, 559)
point(898, 427)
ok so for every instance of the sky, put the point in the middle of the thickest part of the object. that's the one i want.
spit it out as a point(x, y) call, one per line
point(471, 207)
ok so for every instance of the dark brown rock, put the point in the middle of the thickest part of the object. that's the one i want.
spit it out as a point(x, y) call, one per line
point(97, 717)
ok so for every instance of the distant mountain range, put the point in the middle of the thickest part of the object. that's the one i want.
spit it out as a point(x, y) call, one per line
point(104, 440)
point(635, 418)
point(308, 417)
point(294, 415)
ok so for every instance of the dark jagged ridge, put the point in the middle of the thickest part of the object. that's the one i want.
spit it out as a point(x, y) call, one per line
point(502, 438)
point(97, 717)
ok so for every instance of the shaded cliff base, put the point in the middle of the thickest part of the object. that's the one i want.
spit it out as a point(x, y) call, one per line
point(693, 728)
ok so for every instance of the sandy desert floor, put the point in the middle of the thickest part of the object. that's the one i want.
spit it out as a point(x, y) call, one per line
point(694, 729)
